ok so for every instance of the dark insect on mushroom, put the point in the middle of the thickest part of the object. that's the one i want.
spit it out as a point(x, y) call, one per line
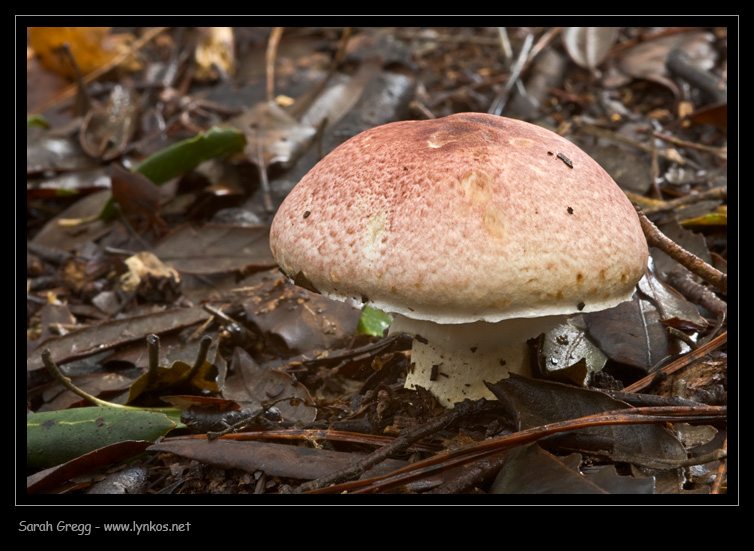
point(565, 159)
point(471, 298)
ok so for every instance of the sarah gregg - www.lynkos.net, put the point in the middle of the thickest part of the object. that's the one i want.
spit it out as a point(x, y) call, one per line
point(85, 529)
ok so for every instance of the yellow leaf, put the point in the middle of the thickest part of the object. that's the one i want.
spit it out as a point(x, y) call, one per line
point(91, 47)
point(717, 218)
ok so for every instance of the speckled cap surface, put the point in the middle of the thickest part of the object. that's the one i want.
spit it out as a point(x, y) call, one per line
point(468, 217)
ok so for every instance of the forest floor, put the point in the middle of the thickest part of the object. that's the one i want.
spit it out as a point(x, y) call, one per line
point(131, 284)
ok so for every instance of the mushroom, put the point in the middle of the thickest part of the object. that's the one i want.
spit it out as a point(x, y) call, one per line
point(478, 232)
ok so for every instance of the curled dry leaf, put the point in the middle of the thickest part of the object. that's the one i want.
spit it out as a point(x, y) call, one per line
point(272, 135)
point(588, 47)
point(567, 354)
point(675, 310)
point(131, 480)
point(276, 136)
point(84, 464)
point(149, 277)
point(107, 129)
point(648, 60)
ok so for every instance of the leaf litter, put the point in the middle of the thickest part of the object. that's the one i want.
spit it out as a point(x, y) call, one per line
point(301, 394)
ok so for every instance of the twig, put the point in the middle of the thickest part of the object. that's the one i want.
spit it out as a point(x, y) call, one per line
point(718, 193)
point(472, 475)
point(263, 179)
point(313, 435)
point(680, 279)
point(655, 238)
point(305, 100)
point(272, 48)
point(718, 151)
point(268, 412)
point(679, 363)
point(54, 370)
point(493, 446)
point(153, 353)
point(609, 135)
point(498, 104)
point(399, 444)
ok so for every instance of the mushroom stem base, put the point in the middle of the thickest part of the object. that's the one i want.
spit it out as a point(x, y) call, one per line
point(453, 375)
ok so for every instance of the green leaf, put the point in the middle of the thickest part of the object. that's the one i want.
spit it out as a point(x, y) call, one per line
point(36, 120)
point(373, 322)
point(54, 437)
point(183, 156)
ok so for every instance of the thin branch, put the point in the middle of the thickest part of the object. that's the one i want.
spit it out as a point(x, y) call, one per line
point(717, 193)
point(54, 370)
point(680, 363)
point(609, 135)
point(498, 104)
point(409, 437)
point(493, 446)
point(270, 56)
point(655, 238)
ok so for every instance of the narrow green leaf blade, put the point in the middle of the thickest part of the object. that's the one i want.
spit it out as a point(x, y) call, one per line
point(183, 156)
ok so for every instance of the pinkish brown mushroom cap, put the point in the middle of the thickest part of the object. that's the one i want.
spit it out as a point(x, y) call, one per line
point(464, 218)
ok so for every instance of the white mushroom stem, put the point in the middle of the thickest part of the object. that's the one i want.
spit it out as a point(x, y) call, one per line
point(453, 361)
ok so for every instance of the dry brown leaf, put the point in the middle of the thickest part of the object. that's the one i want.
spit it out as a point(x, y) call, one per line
point(303, 463)
point(252, 385)
point(647, 60)
point(216, 249)
point(107, 129)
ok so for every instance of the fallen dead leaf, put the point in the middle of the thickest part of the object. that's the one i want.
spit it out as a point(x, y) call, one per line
point(298, 462)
